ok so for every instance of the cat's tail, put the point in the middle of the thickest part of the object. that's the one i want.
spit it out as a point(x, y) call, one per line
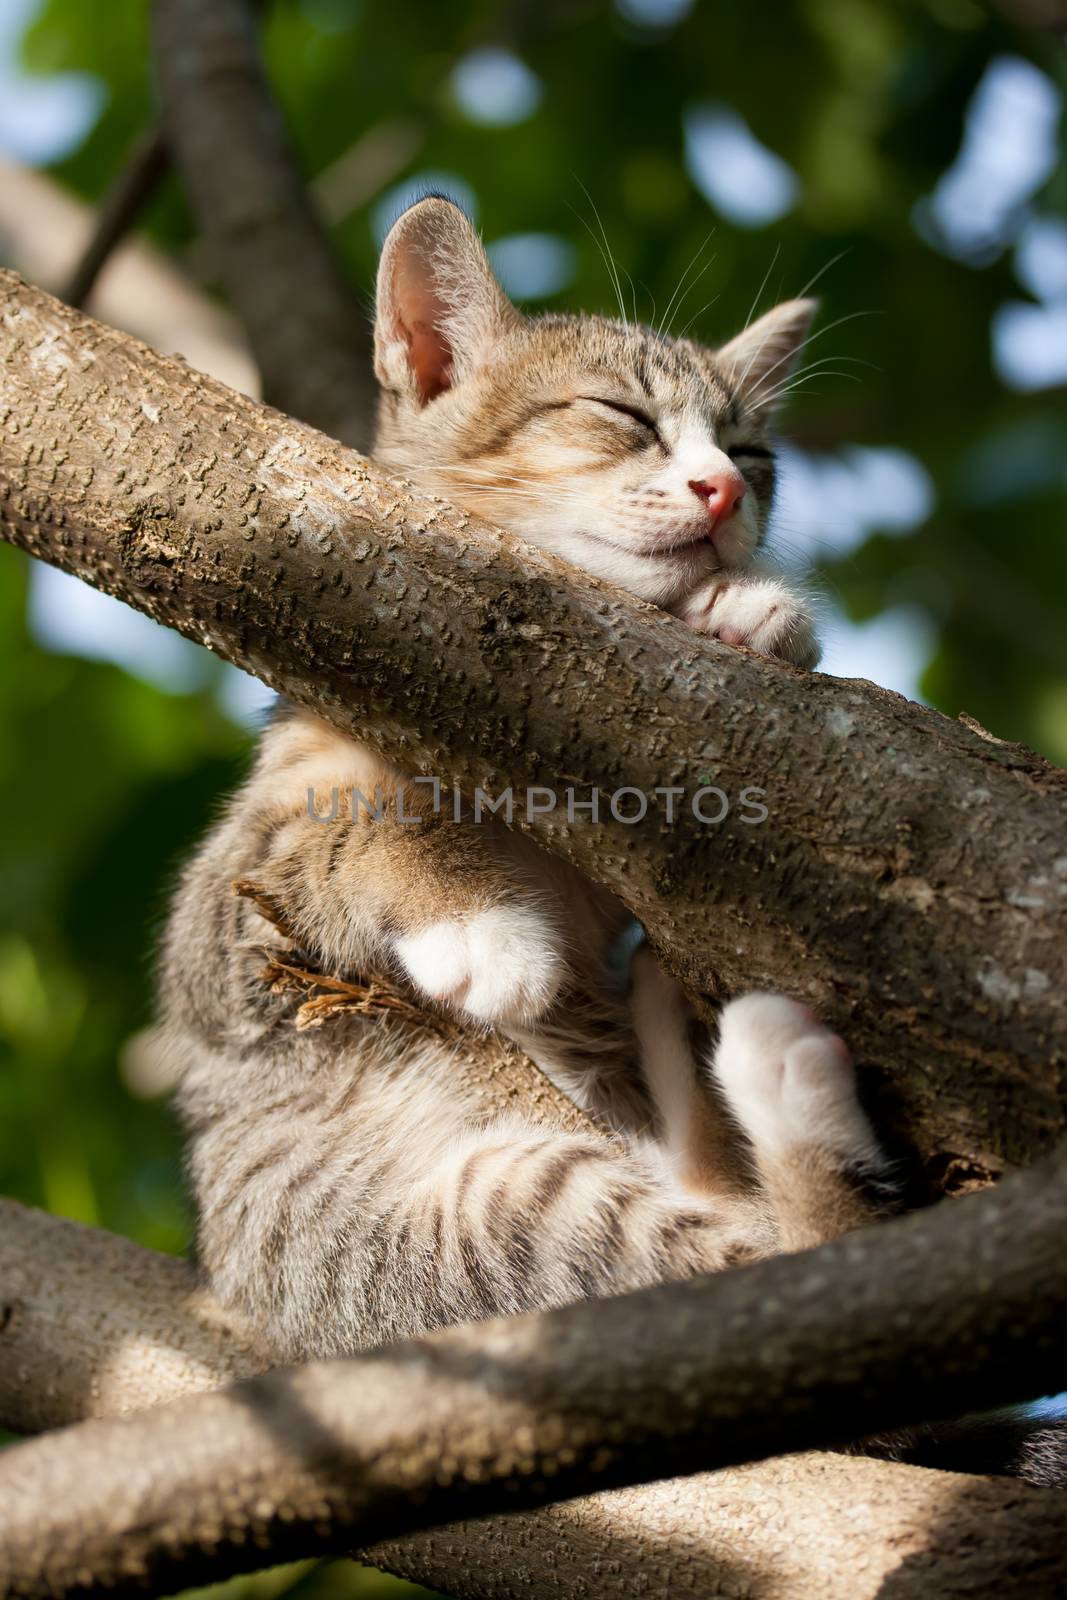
point(1028, 1442)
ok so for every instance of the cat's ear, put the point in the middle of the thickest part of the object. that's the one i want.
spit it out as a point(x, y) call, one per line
point(440, 310)
point(759, 361)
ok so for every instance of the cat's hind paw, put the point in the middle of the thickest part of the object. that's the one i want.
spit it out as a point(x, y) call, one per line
point(501, 965)
point(789, 1081)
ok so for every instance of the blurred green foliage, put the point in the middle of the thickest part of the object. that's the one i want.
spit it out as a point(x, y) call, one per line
point(106, 780)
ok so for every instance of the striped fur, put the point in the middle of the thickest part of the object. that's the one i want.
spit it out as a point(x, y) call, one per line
point(348, 1191)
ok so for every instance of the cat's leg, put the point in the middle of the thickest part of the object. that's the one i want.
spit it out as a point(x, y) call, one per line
point(698, 1138)
point(791, 1086)
point(392, 880)
point(755, 610)
point(523, 1219)
point(364, 1199)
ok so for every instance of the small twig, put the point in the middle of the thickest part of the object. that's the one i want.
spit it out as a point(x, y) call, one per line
point(140, 177)
point(265, 904)
point(367, 994)
point(494, 1070)
point(370, 995)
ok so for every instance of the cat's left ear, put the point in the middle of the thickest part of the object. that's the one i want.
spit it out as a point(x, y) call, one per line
point(759, 361)
point(440, 311)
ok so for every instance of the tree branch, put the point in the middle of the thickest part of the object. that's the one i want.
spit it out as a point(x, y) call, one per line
point(137, 182)
point(935, 1313)
point(92, 1325)
point(142, 291)
point(910, 883)
point(307, 329)
point(111, 1328)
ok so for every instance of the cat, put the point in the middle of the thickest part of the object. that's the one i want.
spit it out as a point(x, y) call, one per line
point(348, 1193)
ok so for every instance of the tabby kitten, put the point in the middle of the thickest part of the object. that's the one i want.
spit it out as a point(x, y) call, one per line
point(348, 1192)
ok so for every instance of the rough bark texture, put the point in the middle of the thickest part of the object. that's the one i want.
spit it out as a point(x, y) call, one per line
point(308, 330)
point(807, 1527)
point(935, 1313)
point(92, 1326)
point(910, 882)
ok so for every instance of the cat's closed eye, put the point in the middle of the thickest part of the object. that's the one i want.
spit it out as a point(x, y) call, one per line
point(754, 452)
point(633, 413)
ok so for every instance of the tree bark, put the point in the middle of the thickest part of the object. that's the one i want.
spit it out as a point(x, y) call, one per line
point(308, 330)
point(111, 1328)
point(937, 1312)
point(834, 1527)
point(910, 882)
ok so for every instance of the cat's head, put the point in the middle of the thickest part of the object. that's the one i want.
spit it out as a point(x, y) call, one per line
point(643, 458)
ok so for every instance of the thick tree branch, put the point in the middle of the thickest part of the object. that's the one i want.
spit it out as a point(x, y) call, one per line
point(307, 329)
point(93, 1325)
point(910, 882)
point(935, 1313)
point(795, 1528)
point(110, 1327)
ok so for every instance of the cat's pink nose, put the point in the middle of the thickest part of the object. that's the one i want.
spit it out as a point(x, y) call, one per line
point(720, 492)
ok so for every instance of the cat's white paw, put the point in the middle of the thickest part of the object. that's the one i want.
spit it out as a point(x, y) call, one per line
point(789, 1081)
point(501, 965)
point(762, 614)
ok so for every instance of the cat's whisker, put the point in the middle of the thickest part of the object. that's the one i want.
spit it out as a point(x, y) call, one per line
point(790, 355)
point(510, 480)
point(473, 466)
point(813, 280)
point(828, 365)
point(821, 365)
point(811, 547)
point(753, 358)
point(633, 296)
point(558, 502)
point(543, 494)
point(759, 292)
point(604, 247)
point(853, 361)
point(683, 286)
point(705, 307)
point(788, 388)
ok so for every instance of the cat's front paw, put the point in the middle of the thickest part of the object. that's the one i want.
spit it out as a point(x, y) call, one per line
point(502, 965)
point(762, 614)
point(789, 1081)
